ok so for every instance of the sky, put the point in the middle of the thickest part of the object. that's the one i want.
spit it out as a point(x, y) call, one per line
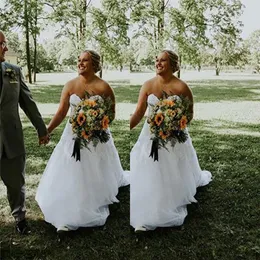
point(250, 17)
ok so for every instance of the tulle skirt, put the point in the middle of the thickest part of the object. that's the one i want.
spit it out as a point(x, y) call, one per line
point(77, 193)
point(160, 190)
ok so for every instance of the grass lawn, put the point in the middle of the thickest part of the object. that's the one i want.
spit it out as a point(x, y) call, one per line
point(224, 225)
point(203, 91)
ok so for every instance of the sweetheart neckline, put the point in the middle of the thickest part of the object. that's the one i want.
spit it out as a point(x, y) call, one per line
point(81, 98)
point(160, 98)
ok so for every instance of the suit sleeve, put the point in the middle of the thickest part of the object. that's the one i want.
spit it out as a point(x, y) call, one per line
point(29, 107)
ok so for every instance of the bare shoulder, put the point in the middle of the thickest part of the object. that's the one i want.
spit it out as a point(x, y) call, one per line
point(72, 82)
point(102, 83)
point(150, 82)
point(182, 88)
point(104, 87)
point(148, 85)
point(70, 85)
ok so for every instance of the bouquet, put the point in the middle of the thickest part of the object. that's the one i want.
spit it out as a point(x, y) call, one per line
point(167, 122)
point(90, 122)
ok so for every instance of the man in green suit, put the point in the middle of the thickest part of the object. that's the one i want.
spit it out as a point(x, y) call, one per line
point(14, 92)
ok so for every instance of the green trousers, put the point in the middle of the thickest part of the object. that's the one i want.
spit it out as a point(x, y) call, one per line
point(12, 174)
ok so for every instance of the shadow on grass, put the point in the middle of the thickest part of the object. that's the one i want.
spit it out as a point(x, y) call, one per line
point(223, 225)
point(84, 243)
point(204, 91)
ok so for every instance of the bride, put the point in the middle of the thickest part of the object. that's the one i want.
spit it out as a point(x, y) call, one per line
point(160, 190)
point(72, 193)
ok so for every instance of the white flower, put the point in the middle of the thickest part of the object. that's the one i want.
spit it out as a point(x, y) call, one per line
point(96, 98)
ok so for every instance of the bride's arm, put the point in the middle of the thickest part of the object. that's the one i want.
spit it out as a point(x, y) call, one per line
point(62, 109)
point(140, 108)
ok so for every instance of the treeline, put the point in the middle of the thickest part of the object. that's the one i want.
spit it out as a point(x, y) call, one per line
point(129, 33)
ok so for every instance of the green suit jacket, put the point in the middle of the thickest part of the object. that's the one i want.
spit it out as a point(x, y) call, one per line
point(14, 93)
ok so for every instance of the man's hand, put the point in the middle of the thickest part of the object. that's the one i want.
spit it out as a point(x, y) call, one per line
point(44, 139)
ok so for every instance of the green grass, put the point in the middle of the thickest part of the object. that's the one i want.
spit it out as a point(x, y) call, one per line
point(203, 91)
point(222, 90)
point(51, 93)
point(43, 243)
point(224, 225)
point(47, 94)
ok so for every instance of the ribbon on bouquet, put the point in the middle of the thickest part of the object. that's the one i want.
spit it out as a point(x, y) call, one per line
point(154, 150)
point(76, 149)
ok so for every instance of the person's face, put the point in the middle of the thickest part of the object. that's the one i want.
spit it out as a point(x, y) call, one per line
point(162, 63)
point(85, 63)
point(3, 47)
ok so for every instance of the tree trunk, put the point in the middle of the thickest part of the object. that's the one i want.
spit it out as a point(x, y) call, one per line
point(217, 66)
point(35, 45)
point(161, 24)
point(179, 71)
point(35, 59)
point(101, 71)
point(217, 69)
point(27, 41)
point(82, 23)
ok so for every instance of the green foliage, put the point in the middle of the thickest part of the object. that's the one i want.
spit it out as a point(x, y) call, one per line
point(253, 46)
point(71, 18)
point(108, 31)
point(24, 15)
point(187, 32)
point(186, 28)
point(191, 27)
point(148, 18)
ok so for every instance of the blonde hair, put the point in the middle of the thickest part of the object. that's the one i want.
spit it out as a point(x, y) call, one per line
point(95, 58)
point(174, 60)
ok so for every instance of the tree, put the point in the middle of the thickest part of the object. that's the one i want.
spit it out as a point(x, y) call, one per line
point(24, 16)
point(225, 30)
point(108, 31)
point(187, 31)
point(253, 46)
point(149, 16)
point(71, 16)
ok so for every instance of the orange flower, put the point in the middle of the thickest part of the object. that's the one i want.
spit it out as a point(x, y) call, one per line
point(159, 118)
point(183, 122)
point(105, 122)
point(168, 102)
point(89, 102)
point(84, 134)
point(81, 119)
point(163, 135)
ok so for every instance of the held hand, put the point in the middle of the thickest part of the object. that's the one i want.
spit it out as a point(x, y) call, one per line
point(44, 139)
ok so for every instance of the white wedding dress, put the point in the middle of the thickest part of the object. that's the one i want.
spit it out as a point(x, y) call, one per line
point(77, 193)
point(160, 190)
